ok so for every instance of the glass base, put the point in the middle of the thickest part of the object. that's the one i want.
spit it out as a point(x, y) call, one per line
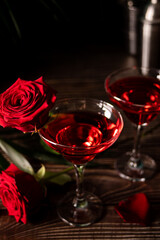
point(145, 170)
point(89, 212)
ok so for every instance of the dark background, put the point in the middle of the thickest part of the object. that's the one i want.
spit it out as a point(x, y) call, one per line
point(71, 21)
point(49, 27)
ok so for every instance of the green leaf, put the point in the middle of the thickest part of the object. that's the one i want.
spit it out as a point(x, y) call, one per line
point(50, 158)
point(60, 178)
point(47, 148)
point(16, 157)
point(40, 173)
point(4, 164)
point(41, 154)
point(13, 19)
point(53, 9)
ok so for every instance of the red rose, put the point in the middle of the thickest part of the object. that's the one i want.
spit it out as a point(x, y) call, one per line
point(25, 105)
point(20, 193)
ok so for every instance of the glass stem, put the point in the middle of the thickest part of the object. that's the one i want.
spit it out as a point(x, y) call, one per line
point(137, 141)
point(135, 161)
point(79, 201)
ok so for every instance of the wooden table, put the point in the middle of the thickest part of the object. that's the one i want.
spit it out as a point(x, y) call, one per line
point(81, 72)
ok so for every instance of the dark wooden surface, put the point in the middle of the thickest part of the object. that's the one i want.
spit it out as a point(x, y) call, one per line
point(81, 72)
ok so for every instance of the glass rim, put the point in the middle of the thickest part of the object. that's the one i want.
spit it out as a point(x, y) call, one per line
point(121, 123)
point(123, 70)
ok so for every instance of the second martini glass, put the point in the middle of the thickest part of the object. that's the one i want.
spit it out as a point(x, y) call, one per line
point(79, 129)
point(137, 92)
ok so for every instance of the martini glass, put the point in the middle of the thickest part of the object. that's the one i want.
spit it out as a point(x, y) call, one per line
point(79, 129)
point(137, 92)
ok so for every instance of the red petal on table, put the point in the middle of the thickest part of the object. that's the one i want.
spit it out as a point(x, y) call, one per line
point(135, 209)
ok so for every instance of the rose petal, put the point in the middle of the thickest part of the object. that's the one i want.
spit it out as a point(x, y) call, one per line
point(135, 209)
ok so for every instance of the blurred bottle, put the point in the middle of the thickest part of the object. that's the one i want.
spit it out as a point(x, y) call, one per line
point(150, 35)
point(133, 11)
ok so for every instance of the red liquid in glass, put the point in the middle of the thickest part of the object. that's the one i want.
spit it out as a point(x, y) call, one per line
point(78, 135)
point(143, 91)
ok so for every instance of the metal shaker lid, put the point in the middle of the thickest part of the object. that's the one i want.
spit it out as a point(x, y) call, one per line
point(151, 13)
point(135, 4)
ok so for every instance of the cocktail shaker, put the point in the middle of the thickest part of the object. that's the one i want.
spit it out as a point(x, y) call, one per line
point(132, 13)
point(150, 35)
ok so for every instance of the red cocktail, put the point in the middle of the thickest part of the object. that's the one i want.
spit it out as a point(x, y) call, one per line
point(79, 129)
point(137, 92)
point(140, 97)
point(83, 134)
